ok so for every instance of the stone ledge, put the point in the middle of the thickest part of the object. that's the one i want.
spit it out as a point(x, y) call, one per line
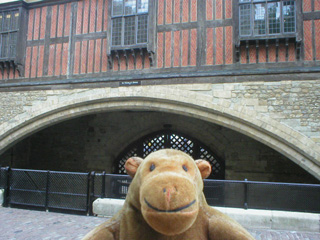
point(106, 207)
point(251, 218)
point(1, 196)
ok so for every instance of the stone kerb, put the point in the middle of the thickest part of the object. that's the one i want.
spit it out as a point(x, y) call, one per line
point(287, 141)
point(1, 196)
point(251, 218)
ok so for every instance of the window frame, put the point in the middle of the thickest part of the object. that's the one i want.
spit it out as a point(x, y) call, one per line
point(17, 61)
point(123, 16)
point(9, 32)
point(298, 21)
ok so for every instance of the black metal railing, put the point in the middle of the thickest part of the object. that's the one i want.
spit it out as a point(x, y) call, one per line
point(69, 191)
point(263, 195)
point(46, 189)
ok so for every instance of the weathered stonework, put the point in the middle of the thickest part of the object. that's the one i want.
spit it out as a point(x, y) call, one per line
point(15, 103)
point(293, 103)
point(283, 115)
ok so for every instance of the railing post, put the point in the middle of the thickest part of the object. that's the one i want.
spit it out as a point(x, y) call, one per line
point(103, 185)
point(7, 187)
point(245, 193)
point(47, 191)
point(90, 192)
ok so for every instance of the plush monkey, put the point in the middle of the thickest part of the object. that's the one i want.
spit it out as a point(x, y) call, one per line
point(165, 201)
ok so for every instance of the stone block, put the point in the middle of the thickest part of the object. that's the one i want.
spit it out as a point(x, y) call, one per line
point(107, 207)
point(1, 196)
point(222, 94)
point(251, 218)
point(295, 221)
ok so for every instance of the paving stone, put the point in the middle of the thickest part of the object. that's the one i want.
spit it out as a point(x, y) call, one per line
point(20, 224)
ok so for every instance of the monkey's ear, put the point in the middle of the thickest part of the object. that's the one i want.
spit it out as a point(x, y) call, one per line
point(132, 165)
point(204, 167)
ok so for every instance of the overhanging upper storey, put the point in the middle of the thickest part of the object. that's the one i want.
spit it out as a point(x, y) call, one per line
point(67, 41)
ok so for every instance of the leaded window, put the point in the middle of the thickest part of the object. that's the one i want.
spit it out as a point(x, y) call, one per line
point(266, 17)
point(9, 27)
point(129, 22)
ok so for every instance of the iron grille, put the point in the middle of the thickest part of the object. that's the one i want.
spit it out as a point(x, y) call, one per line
point(3, 177)
point(217, 167)
point(28, 187)
point(68, 190)
point(169, 139)
point(181, 143)
point(153, 144)
point(120, 164)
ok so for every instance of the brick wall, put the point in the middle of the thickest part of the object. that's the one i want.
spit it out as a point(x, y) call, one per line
point(311, 31)
point(70, 39)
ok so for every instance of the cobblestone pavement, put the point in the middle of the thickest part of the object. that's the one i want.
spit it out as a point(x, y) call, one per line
point(36, 225)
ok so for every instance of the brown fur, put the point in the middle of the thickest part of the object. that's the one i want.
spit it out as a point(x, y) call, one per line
point(165, 202)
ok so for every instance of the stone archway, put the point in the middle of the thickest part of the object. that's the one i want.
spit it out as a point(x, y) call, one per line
point(285, 140)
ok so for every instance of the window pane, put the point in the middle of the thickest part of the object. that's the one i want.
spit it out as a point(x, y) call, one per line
point(116, 31)
point(117, 7)
point(6, 21)
point(274, 17)
point(13, 41)
point(1, 21)
point(245, 11)
point(243, 1)
point(15, 21)
point(142, 6)
point(289, 23)
point(129, 31)
point(259, 19)
point(129, 7)
point(4, 45)
point(142, 35)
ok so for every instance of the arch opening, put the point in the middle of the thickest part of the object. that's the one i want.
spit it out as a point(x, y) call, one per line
point(93, 142)
point(292, 144)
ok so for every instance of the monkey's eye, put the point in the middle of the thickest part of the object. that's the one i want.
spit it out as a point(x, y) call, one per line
point(185, 168)
point(152, 167)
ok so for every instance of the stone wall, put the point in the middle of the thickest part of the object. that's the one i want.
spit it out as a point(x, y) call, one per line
point(98, 139)
point(294, 103)
point(14, 103)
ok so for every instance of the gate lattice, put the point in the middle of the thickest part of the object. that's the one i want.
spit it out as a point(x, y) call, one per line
point(170, 139)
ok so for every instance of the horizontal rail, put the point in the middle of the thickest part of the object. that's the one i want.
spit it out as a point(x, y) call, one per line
point(22, 186)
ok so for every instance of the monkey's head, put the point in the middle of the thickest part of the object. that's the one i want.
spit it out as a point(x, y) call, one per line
point(167, 187)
